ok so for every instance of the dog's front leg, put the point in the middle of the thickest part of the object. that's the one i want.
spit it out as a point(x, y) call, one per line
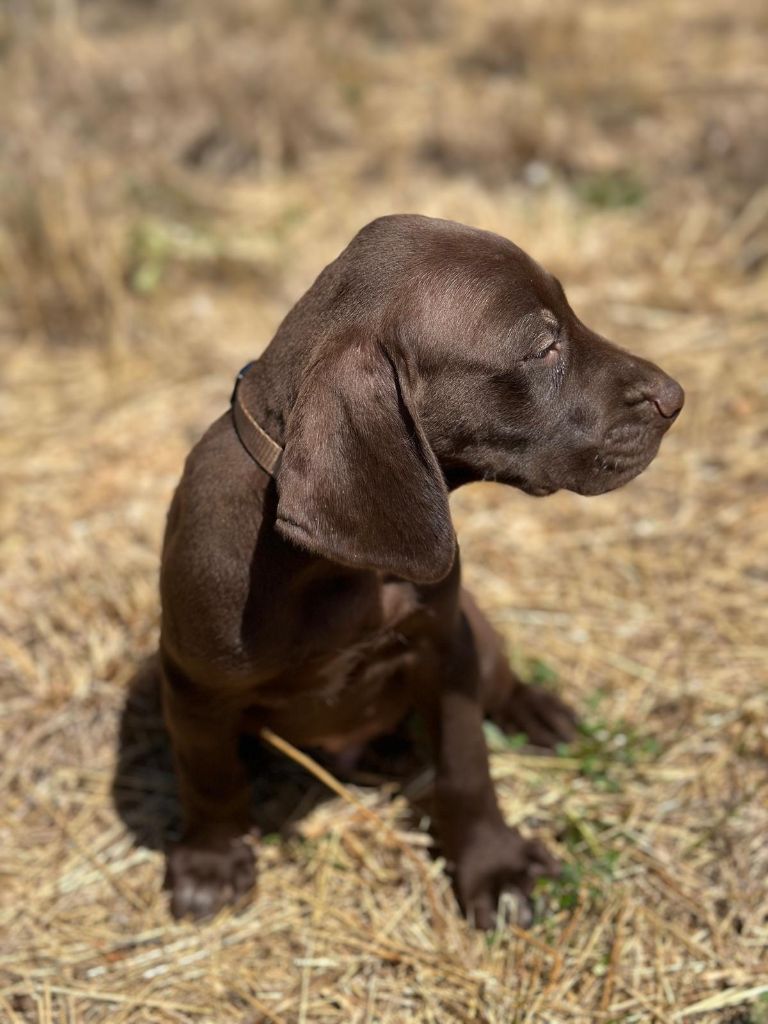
point(488, 857)
point(211, 866)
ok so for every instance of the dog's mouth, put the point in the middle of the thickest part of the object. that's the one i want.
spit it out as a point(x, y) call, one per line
point(607, 472)
point(596, 466)
point(613, 468)
point(622, 455)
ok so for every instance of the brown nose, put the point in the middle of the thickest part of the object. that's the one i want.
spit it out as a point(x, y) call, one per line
point(667, 395)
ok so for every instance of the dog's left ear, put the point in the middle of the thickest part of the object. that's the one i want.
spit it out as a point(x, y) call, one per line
point(358, 482)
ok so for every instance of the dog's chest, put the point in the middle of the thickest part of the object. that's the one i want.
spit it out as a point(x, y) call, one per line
point(361, 688)
point(403, 619)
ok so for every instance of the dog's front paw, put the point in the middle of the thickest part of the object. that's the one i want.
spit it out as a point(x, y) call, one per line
point(541, 715)
point(500, 861)
point(203, 880)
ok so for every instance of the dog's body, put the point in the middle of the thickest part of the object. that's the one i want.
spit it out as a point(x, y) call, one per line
point(324, 601)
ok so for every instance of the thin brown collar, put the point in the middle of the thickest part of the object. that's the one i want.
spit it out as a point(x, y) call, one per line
point(263, 450)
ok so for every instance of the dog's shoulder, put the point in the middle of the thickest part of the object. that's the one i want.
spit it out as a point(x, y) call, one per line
point(213, 526)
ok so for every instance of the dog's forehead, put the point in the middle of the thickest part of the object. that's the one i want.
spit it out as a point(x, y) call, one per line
point(488, 291)
point(445, 287)
point(490, 271)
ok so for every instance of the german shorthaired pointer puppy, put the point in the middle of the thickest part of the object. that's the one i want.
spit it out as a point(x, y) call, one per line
point(310, 575)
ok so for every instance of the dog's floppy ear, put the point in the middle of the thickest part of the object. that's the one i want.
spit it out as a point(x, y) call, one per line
point(358, 482)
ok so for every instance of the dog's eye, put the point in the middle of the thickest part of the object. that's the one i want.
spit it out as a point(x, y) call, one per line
point(545, 351)
point(551, 352)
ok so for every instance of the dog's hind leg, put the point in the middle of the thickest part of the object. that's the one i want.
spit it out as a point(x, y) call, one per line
point(510, 703)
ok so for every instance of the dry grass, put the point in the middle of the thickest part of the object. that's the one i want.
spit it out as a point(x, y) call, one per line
point(172, 177)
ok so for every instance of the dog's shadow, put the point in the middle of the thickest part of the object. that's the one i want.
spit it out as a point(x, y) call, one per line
point(145, 793)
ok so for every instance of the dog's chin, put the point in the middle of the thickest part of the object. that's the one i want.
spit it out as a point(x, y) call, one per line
point(609, 474)
point(592, 472)
point(602, 478)
point(537, 490)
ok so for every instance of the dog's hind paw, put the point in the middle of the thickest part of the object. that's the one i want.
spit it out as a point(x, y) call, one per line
point(544, 718)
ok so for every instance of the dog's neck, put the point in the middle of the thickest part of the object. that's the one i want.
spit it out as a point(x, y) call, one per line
point(268, 395)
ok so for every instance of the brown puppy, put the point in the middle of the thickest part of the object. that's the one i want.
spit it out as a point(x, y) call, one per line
point(316, 590)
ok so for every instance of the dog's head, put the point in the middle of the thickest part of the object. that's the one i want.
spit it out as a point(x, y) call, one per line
point(436, 355)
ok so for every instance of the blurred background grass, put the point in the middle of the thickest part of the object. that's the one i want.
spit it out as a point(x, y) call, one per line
point(172, 176)
point(151, 145)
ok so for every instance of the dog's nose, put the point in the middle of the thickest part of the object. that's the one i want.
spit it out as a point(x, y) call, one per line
point(666, 394)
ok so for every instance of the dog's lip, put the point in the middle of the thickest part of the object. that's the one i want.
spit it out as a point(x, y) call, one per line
point(619, 462)
point(610, 478)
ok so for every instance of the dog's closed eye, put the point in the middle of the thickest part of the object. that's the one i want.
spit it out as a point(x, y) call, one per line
point(550, 340)
point(551, 350)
